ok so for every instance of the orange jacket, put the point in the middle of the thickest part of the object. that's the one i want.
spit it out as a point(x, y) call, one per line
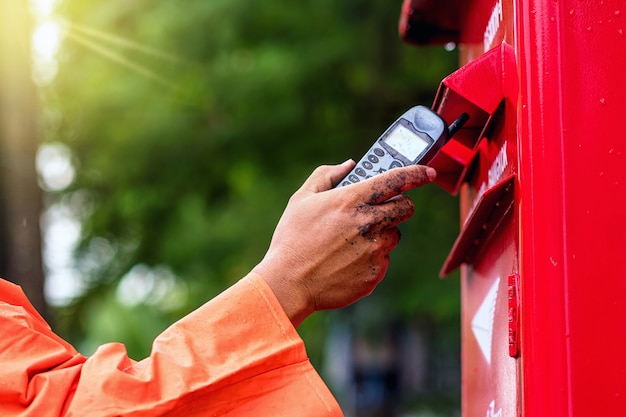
point(238, 355)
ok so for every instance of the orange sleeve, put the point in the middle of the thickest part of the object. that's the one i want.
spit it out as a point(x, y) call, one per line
point(238, 355)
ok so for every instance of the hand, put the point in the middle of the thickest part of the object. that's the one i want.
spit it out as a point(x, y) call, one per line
point(331, 246)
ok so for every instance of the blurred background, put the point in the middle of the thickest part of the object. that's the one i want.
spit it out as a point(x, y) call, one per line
point(148, 148)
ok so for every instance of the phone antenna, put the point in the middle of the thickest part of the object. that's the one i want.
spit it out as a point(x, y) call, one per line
point(457, 124)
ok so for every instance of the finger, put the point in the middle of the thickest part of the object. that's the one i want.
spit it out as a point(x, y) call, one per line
point(384, 216)
point(389, 239)
point(326, 177)
point(393, 182)
point(379, 270)
point(399, 209)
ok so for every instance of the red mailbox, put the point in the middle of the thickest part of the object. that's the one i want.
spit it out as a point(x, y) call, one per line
point(541, 175)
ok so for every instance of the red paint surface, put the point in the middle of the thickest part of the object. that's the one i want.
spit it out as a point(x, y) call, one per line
point(560, 133)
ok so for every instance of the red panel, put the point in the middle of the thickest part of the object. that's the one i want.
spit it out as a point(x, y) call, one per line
point(572, 163)
point(489, 381)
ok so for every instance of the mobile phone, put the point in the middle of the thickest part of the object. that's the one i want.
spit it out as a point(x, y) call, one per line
point(415, 138)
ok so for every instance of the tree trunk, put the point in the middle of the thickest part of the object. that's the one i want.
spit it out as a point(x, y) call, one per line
point(20, 195)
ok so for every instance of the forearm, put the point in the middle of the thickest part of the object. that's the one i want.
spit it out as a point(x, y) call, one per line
point(238, 355)
point(207, 360)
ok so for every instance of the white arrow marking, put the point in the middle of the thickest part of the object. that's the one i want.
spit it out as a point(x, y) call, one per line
point(482, 323)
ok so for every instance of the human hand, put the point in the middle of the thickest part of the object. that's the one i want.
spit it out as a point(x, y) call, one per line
point(331, 246)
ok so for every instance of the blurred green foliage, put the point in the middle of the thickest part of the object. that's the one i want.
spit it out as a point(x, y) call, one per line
point(191, 123)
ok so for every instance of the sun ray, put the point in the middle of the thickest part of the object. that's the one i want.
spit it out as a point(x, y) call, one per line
point(120, 59)
point(123, 42)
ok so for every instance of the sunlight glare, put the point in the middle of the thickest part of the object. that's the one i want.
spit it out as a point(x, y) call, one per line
point(45, 42)
point(43, 8)
point(54, 165)
point(61, 234)
point(157, 286)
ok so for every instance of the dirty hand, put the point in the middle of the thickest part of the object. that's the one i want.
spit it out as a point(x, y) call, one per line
point(331, 246)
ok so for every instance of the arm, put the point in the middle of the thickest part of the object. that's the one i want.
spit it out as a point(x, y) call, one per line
point(238, 355)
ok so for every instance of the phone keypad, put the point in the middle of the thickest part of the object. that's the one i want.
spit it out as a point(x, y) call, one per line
point(370, 165)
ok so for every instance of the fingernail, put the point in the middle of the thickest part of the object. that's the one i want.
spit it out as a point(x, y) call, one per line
point(431, 173)
point(347, 162)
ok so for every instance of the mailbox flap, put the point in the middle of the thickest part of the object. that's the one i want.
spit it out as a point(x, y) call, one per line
point(491, 208)
point(481, 84)
point(480, 89)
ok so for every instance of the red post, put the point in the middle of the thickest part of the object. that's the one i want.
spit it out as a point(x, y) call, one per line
point(541, 175)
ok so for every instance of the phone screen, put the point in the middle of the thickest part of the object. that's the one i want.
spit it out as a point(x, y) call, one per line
point(406, 142)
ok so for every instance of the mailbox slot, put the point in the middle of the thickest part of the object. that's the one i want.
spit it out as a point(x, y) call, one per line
point(480, 89)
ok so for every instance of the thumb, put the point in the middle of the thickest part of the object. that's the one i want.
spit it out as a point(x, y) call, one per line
point(326, 177)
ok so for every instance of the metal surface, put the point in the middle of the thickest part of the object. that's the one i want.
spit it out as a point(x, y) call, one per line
point(573, 170)
point(544, 296)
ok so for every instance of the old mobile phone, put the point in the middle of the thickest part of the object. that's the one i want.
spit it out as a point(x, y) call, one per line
point(415, 138)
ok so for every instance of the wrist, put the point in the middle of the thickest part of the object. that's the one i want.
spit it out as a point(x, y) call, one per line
point(290, 296)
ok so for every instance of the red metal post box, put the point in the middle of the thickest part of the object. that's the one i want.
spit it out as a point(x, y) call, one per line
point(541, 174)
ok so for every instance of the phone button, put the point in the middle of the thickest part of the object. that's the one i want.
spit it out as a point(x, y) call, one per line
point(395, 164)
point(379, 152)
point(360, 172)
point(367, 165)
point(353, 178)
point(373, 158)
